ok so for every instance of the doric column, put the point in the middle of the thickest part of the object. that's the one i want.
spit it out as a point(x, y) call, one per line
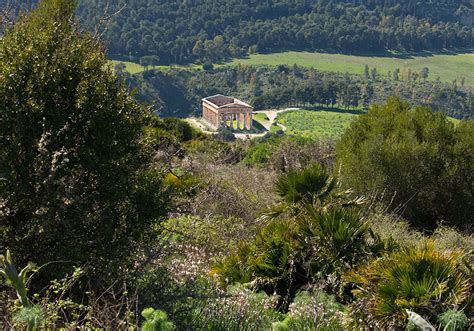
point(231, 122)
point(238, 120)
point(248, 121)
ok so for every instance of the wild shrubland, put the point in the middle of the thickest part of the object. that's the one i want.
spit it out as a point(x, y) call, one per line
point(135, 221)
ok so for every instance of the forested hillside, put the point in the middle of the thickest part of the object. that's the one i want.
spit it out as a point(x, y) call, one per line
point(210, 30)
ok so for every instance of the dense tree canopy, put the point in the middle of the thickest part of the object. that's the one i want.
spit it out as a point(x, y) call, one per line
point(210, 30)
point(414, 159)
point(74, 182)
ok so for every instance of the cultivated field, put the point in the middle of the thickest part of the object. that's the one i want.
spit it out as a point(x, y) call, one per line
point(447, 66)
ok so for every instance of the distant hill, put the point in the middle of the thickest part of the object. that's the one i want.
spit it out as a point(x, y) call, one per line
point(170, 31)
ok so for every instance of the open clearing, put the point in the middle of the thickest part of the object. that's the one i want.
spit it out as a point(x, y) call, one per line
point(324, 124)
point(447, 66)
point(135, 68)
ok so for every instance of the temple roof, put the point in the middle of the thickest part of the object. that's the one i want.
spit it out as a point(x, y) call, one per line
point(222, 101)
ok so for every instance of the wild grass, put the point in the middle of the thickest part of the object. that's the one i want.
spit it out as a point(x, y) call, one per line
point(324, 124)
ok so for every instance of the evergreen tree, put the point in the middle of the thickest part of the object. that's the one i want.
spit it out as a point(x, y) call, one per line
point(75, 183)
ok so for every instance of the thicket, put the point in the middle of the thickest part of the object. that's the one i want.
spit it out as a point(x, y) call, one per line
point(211, 30)
point(418, 161)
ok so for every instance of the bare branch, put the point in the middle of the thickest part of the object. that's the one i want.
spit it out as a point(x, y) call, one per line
point(104, 21)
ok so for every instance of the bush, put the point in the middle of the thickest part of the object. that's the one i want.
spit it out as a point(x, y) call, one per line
point(287, 255)
point(453, 320)
point(420, 279)
point(156, 320)
point(315, 311)
point(416, 159)
point(225, 135)
point(238, 309)
point(76, 184)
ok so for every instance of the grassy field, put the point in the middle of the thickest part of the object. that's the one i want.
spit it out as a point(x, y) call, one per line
point(324, 124)
point(135, 68)
point(319, 123)
point(447, 67)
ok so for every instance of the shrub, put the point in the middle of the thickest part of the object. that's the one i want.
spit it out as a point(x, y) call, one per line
point(225, 135)
point(315, 311)
point(76, 185)
point(417, 160)
point(238, 309)
point(420, 279)
point(453, 320)
point(287, 255)
point(156, 320)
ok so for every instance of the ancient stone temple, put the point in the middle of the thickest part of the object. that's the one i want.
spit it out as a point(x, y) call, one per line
point(225, 112)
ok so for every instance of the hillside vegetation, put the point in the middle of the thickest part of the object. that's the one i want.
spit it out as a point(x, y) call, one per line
point(211, 30)
point(112, 218)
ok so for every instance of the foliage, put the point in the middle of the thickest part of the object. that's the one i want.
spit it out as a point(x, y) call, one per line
point(73, 172)
point(310, 185)
point(238, 309)
point(225, 135)
point(209, 31)
point(28, 314)
point(418, 278)
point(315, 310)
point(156, 320)
point(14, 279)
point(289, 254)
point(452, 320)
point(417, 160)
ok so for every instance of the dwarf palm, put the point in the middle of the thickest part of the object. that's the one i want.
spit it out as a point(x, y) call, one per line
point(419, 279)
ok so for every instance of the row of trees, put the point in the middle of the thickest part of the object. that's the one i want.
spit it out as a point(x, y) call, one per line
point(179, 92)
point(212, 30)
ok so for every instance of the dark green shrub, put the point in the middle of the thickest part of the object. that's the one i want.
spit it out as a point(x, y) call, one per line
point(76, 183)
point(414, 159)
point(225, 135)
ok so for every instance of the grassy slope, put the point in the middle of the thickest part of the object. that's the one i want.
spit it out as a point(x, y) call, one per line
point(447, 67)
point(135, 68)
point(324, 124)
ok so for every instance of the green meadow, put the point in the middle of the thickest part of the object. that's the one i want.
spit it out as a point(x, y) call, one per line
point(324, 124)
point(447, 67)
point(135, 68)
